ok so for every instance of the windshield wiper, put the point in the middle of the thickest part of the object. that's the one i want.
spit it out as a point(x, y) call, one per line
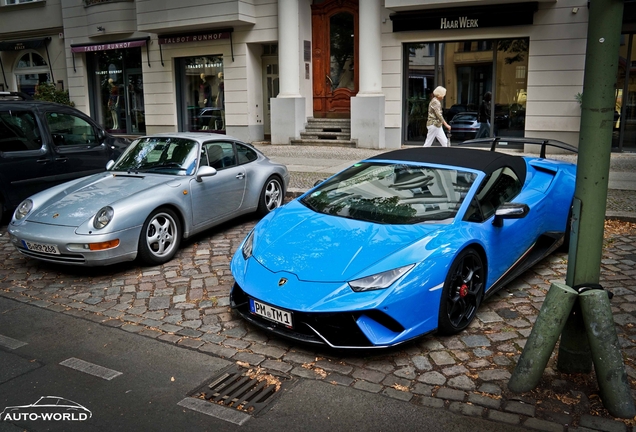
point(163, 166)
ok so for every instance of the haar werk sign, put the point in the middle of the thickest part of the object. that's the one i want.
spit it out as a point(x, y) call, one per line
point(465, 17)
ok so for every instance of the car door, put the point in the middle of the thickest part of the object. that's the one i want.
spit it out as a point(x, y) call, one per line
point(508, 243)
point(78, 150)
point(26, 164)
point(218, 196)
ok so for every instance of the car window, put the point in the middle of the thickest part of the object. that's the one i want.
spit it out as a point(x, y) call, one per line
point(160, 155)
point(19, 131)
point(245, 154)
point(393, 193)
point(220, 155)
point(69, 130)
point(499, 187)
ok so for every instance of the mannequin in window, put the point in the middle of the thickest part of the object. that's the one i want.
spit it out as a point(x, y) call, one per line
point(204, 93)
point(113, 103)
point(220, 101)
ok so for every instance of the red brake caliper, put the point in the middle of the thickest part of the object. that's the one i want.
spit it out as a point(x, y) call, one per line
point(463, 291)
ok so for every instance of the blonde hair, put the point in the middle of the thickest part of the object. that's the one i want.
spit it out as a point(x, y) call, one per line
point(439, 91)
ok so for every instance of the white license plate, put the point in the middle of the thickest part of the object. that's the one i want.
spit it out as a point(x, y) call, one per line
point(41, 247)
point(272, 313)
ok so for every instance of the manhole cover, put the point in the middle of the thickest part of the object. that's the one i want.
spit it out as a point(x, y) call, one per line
point(245, 389)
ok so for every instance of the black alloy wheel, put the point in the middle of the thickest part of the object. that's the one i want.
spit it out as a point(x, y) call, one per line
point(462, 293)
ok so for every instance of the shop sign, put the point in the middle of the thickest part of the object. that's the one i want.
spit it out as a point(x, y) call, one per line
point(461, 18)
point(194, 37)
point(108, 46)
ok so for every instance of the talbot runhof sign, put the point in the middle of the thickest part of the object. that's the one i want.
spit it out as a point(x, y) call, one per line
point(194, 37)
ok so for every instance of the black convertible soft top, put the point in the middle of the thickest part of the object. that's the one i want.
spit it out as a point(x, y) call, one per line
point(482, 160)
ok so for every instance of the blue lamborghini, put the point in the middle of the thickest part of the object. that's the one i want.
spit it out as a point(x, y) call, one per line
point(402, 244)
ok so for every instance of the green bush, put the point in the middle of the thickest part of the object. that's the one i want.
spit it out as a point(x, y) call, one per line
point(49, 92)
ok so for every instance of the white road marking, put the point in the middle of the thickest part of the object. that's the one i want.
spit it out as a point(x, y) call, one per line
point(11, 343)
point(90, 368)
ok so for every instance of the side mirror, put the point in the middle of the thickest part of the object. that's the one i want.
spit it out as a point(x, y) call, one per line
point(205, 171)
point(510, 211)
point(101, 135)
point(110, 164)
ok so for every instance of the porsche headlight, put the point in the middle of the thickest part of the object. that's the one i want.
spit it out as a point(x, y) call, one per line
point(248, 246)
point(23, 209)
point(103, 217)
point(379, 281)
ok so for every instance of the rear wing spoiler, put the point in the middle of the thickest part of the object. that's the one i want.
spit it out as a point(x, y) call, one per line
point(495, 141)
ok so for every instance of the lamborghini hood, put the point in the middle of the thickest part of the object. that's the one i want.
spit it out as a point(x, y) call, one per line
point(324, 248)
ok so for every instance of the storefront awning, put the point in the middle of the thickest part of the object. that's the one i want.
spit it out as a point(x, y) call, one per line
point(202, 36)
point(460, 18)
point(19, 45)
point(111, 45)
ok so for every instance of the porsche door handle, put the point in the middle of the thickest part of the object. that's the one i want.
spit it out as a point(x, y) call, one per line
point(61, 159)
point(240, 176)
point(42, 161)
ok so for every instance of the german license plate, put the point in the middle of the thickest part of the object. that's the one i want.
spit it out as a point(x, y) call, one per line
point(272, 313)
point(41, 247)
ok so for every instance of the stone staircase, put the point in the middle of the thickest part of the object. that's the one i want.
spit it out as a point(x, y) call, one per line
point(326, 132)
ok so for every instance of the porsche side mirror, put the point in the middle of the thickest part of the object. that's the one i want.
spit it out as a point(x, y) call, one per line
point(205, 171)
point(510, 211)
point(110, 164)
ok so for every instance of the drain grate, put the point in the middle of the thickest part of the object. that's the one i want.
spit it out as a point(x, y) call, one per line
point(248, 390)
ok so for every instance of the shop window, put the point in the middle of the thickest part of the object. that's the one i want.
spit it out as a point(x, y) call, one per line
point(469, 70)
point(31, 70)
point(117, 95)
point(201, 94)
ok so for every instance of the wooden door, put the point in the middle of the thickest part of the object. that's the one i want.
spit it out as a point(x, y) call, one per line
point(335, 57)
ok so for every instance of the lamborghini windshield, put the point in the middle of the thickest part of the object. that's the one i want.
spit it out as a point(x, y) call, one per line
point(393, 193)
point(161, 155)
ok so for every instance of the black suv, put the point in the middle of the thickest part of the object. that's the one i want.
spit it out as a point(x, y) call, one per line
point(43, 144)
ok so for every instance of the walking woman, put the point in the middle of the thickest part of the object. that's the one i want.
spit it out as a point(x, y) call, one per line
point(436, 120)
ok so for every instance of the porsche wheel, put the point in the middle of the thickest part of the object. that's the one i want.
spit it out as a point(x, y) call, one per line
point(160, 237)
point(271, 196)
point(462, 293)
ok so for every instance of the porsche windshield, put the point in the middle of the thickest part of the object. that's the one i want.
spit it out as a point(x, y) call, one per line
point(162, 155)
point(393, 193)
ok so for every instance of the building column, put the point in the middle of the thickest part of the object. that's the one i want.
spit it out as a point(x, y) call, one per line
point(288, 108)
point(368, 106)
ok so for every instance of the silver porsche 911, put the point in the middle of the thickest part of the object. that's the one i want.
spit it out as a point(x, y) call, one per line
point(162, 189)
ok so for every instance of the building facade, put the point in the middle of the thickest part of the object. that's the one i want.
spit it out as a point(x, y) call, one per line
point(258, 69)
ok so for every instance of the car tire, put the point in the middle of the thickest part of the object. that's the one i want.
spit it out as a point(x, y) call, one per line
point(160, 237)
point(271, 196)
point(462, 293)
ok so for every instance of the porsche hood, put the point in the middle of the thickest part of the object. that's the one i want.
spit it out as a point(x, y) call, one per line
point(81, 200)
point(324, 248)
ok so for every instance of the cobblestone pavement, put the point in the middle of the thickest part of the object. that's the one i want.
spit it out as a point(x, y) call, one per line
point(185, 302)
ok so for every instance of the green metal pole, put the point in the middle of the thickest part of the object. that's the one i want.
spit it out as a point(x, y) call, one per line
point(615, 390)
point(595, 141)
point(543, 338)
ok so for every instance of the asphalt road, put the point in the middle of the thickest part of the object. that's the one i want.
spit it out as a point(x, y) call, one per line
point(155, 377)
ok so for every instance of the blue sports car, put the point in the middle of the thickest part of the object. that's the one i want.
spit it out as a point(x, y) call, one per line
point(402, 244)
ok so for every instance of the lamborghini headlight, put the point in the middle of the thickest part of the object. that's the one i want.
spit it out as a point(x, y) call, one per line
point(379, 281)
point(23, 209)
point(248, 246)
point(103, 217)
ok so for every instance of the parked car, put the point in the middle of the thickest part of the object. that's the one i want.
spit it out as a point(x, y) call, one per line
point(400, 245)
point(465, 125)
point(163, 188)
point(43, 144)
